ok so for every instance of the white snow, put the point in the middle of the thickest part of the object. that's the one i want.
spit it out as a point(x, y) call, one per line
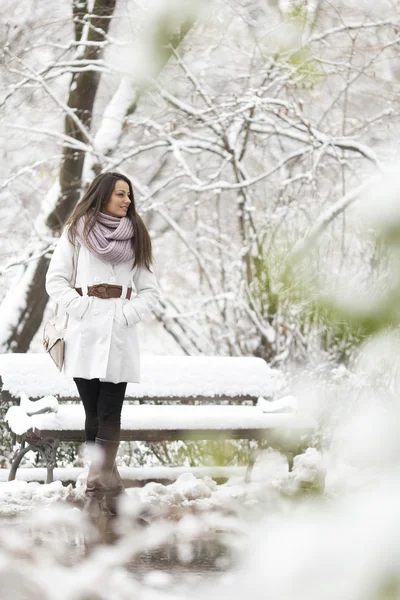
point(191, 488)
point(45, 404)
point(285, 404)
point(309, 472)
point(64, 474)
point(18, 496)
point(15, 300)
point(114, 114)
point(161, 376)
point(164, 417)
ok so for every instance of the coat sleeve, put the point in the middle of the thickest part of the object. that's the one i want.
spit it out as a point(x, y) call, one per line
point(59, 279)
point(148, 294)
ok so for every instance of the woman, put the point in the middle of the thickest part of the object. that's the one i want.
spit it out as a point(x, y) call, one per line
point(113, 249)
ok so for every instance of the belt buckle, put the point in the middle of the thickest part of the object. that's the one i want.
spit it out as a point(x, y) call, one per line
point(100, 290)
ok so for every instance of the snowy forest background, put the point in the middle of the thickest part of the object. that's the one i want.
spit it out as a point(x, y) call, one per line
point(248, 129)
point(261, 138)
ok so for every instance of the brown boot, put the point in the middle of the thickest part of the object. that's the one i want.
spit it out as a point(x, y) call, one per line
point(98, 478)
point(93, 503)
point(114, 491)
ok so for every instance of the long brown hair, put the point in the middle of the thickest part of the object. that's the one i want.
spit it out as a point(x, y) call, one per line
point(94, 201)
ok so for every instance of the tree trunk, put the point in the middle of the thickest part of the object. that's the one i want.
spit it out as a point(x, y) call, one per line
point(81, 99)
point(31, 316)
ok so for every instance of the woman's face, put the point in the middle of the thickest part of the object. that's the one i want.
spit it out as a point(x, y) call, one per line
point(118, 203)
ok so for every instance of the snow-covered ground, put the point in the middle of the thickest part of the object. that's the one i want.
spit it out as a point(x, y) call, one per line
point(188, 492)
point(277, 537)
point(280, 536)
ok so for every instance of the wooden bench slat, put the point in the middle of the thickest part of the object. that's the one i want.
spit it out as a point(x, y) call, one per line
point(168, 400)
point(275, 435)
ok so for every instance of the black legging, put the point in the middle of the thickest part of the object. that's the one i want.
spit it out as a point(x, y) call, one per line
point(102, 401)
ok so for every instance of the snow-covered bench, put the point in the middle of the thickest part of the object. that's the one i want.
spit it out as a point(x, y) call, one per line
point(164, 379)
point(234, 377)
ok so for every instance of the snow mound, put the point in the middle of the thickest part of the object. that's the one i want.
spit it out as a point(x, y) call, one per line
point(285, 404)
point(43, 405)
point(308, 473)
point(18, 496)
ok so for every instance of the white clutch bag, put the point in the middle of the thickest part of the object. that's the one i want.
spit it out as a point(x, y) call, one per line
point(53, 339)
point(53, 343)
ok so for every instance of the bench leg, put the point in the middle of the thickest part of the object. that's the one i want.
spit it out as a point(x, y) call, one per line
point(290, 459)
point(46, 448)
point(17, 460)
point(253, 457)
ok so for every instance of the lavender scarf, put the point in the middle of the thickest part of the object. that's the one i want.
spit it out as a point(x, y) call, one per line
point(110, 238)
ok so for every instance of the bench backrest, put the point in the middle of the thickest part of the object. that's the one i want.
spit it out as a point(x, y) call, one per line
point(163, 378)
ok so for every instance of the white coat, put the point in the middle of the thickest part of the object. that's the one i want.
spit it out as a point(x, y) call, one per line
point(101, 340)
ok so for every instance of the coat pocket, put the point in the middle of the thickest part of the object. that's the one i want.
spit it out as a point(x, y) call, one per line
point(119, 315)
point(131, 315)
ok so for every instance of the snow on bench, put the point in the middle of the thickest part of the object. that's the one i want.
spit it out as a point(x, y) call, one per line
point(157, 422)
point(163, 378)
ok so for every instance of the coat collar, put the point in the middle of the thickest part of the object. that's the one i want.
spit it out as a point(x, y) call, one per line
point(91, 259)
point(111, 268)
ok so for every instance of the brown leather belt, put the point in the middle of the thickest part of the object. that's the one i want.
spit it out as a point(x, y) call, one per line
point(106, 290)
